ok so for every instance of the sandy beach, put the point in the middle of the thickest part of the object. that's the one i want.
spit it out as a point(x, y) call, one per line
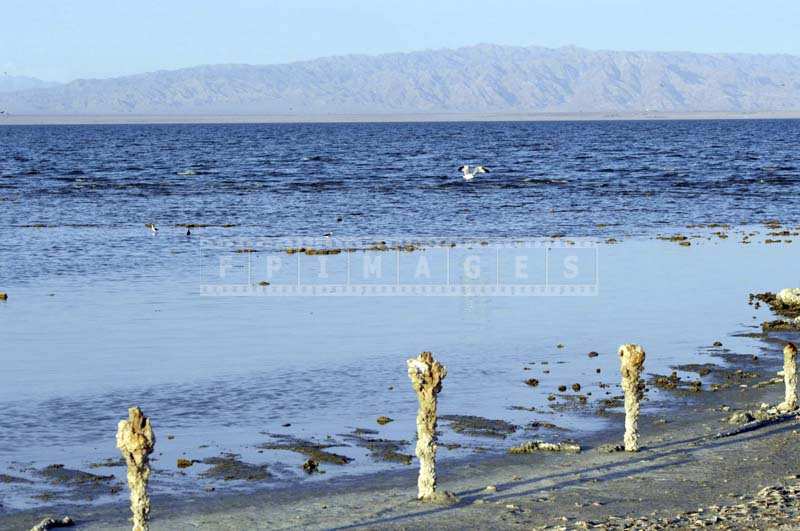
point(682, 476)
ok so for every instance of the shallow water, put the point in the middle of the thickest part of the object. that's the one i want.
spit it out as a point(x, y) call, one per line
point(103, 315)
point(219, 373)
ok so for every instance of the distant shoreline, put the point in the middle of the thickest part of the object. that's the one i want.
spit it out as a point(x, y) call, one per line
point(111, 119)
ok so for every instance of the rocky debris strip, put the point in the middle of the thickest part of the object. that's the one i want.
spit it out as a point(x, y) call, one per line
point(773, 507)
point(786, 304)
point(53, 523)
point(541, 446)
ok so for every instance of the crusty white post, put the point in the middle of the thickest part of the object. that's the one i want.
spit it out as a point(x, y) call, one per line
point(426, 377)
point(135, 441)
point(632, 362)
point(789, 377)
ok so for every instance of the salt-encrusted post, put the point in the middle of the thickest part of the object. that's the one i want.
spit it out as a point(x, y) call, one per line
point(789, 377)
point(135, 441)
point(426, 377)
point(632, 362)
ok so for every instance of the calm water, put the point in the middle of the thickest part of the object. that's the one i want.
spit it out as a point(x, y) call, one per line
point(102, 314)
point(94, 183)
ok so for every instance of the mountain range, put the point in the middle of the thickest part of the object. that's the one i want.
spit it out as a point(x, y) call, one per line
point(476, 79)
point(16, 83)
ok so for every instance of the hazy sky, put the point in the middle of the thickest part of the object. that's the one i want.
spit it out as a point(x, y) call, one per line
point(62, 40)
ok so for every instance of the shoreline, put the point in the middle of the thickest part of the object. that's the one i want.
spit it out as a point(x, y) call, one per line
point(672, 473)
point(385, 499)
point(219, 119)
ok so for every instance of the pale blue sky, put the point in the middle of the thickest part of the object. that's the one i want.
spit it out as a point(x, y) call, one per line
point(62, 40)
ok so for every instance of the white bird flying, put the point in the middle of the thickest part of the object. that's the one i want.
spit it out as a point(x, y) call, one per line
point(152, 227)
point(470, 174)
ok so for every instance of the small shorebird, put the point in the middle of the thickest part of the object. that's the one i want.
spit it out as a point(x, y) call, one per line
point(470, 174)
point(328, 234)
point(152, 227)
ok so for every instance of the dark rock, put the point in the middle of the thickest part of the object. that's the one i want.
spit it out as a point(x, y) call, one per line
point(4, 478)
point(380, 449)
point(312, 450)
point(741, 417)
point(479, 426)
point(311, 466)
point(185, 463)
point(109, 463)
point(228, 467)
point(53, 523)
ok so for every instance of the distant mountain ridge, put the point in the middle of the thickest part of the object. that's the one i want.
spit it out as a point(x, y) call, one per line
point(15, 83)
point(475, 79)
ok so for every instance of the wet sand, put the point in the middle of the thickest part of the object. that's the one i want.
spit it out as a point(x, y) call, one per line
point(680, 469)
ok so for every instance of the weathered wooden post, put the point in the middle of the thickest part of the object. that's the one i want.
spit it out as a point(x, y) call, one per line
point(426, 377)
point(135, 440)
point(789, 378)
point(632, 363)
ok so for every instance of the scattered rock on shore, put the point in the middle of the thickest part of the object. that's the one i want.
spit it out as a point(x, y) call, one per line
point(479, 426)
point(83, 484)
point(311, 466)
point(315, 451)
point(228, 467)
point(380, 449)
point(4, 478)
point(774, 507)
point(673, 238)
point(790, 297)
point(741, 417)
point(52, 523)
point(185, 463)
point(109, 463)
point(781, 325)
point(541, 446)
point(612, 448)
point(785, 304)
point(66, 476)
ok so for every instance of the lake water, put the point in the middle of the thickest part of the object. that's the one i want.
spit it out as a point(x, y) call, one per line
point(102, 314)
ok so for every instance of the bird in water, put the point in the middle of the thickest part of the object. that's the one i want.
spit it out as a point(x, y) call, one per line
point(152, 227)
point(188, 231)
point(470, 174)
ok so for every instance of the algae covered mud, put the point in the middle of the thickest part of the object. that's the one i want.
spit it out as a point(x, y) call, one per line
point(245, 391)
